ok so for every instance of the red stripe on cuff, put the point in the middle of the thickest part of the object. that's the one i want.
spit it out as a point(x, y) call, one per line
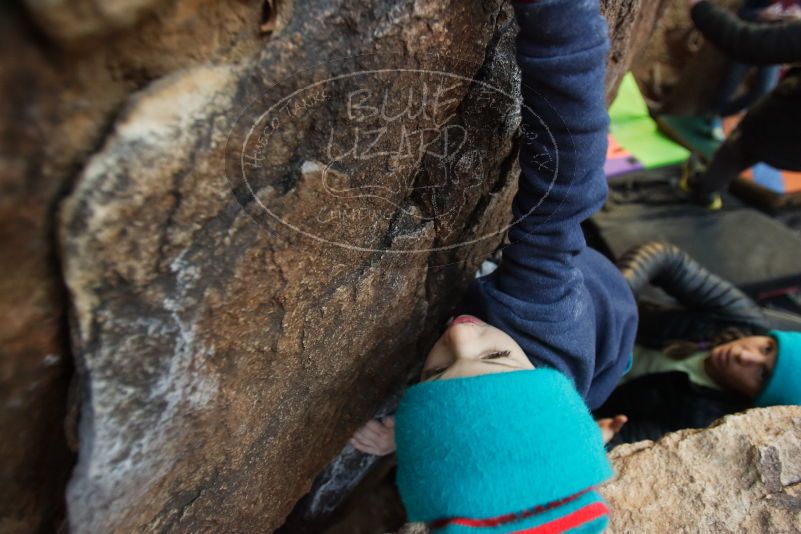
point(507, 518)
point(573, 520)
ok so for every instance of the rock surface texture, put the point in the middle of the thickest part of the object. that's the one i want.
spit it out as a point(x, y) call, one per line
point(237, 303)
point(631, 26)
point(679, 72)
point(59, 101)
point(226, 357)
point(743, 474)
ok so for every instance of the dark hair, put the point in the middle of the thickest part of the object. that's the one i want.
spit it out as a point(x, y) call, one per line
point(680, 350)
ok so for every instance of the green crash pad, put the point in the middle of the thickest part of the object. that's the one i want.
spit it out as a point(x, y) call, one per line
point(633, 128)
point(690, 132)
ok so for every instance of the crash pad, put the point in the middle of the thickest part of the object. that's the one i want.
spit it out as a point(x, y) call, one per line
point(747, 247)
point(635, 131)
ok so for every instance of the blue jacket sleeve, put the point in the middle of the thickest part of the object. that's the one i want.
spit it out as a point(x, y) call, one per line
point(538, 295)
point(561, 50)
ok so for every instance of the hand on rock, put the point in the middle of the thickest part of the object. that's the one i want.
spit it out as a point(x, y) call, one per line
point(611, 426)
point(376, 437)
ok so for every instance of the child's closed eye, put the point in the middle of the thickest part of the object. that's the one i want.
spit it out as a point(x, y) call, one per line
point(434, 372)
point(431, 373)
point(498, 354)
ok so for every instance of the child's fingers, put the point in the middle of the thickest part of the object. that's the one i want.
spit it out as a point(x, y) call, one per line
point(371, 433)
point(375, 431)
point(607, 426)
point(367, 434)
point(359, 445)
point(366, 446)
point(618, 423)
point(376, 425)
point(366, 440)
point(357, 438)
point(375, 437)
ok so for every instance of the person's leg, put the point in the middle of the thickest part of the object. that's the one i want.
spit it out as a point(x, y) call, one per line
point(765, 80)
point(767, 77)
point(769, 132)
point(731, 81)
point(731, 158)
point(734, 76)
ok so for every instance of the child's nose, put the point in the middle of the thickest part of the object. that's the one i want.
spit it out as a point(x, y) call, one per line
point(460, 336)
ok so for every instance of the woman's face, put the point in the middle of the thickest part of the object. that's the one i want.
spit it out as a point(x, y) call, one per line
point(471, 347)
point(744, 365)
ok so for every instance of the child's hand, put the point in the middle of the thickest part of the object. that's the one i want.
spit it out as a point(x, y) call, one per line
point(376, 437)
point(609, 426)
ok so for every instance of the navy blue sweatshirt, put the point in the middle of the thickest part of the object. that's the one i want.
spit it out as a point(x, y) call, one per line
point(566, 305)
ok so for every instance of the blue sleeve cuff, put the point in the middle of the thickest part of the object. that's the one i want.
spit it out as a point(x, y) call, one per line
point(629, 365)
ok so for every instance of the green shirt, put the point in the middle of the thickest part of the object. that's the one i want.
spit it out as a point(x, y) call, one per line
point(648, 361)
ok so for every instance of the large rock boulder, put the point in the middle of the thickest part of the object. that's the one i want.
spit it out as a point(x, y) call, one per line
point(743, 474)
point(35, 364)
point(223, 356)
point(231, 331)
point(57, 106)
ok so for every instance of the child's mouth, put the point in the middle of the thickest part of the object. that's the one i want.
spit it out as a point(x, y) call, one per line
point(466, 319)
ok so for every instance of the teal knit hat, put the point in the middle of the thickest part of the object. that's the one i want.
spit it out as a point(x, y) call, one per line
point(784, 384)
point(499, 453)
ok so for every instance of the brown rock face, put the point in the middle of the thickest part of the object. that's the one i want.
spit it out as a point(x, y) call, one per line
point(57, 104)
point(741, 475)
point(34, 366)
point(73, 20)
point(678, 72)
point(227, 353)
point(631, 25)
point(236, 309)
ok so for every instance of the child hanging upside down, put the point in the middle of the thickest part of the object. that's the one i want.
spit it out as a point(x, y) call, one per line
point(498, 436)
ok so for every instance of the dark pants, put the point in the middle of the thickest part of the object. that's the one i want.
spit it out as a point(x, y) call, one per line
point(769, 132)
point(665, 402)
point(765, 79)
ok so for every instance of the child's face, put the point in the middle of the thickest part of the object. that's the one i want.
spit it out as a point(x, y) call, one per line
point(471, 347)
point(743, 365)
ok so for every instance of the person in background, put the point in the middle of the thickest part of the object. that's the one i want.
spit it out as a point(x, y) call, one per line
point(711, 356)
point(769, 131)
point(765, 77)
point(498, 436)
